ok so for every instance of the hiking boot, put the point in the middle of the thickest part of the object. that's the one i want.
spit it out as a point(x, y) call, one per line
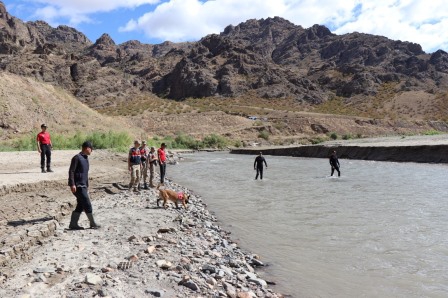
point(74, 221)
point(49, 170)
point(43, 171)
point(145, 185)
point(93, 224)
point(139, 187)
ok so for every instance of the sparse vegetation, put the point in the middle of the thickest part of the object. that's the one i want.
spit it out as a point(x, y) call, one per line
point(264, 134)
point(334, 136)
point(101, 140)
point(183, 141)
point(431, 132)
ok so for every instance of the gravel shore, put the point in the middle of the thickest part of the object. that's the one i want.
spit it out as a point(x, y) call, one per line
point(141, 250)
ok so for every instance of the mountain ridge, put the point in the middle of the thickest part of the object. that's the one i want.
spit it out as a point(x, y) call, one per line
point(257, 61)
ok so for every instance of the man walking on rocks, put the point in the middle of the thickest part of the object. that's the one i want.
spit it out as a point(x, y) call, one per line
point(161, 155)
point(134, 165)
point(144, 153)
point(44, 147)
point(152, 161)
point(78, 180)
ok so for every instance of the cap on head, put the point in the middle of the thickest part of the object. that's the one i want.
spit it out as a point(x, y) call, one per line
point(144, 142)
point(136, 142)
point(87, 144)
point(163, 145)
point(43, 125)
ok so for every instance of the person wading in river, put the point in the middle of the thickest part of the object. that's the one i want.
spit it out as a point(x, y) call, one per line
point(258, 165)
point(334, 162)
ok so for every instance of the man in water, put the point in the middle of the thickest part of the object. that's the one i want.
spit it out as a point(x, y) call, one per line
point(334, 162)
point(258, 165)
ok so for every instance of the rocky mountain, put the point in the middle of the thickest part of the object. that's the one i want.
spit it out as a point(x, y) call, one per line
point(271, 58)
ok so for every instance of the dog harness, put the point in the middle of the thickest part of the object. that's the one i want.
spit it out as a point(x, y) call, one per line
point(180, 195)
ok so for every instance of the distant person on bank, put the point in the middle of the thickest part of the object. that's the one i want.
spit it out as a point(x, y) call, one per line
point(144, 153)
point(44, 147)
point(161, 155)
point(78, 180)
point(258, 165)
point(152, 162)
point(334, 163)
point(135, 165)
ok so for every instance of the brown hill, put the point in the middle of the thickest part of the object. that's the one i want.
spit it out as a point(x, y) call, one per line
point(260, 67)
point(26, 103)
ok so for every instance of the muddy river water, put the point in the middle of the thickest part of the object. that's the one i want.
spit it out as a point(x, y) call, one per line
point(378, 231)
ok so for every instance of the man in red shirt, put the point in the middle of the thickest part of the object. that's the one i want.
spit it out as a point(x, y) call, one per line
point(161, 154)
point(44, 147)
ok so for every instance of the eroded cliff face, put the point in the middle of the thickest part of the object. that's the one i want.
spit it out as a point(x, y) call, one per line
point(272, 58)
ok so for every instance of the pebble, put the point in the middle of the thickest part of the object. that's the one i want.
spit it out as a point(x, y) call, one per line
point(93, 279)
point(155, 293)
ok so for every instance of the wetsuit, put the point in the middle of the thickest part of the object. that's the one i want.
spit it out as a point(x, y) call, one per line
point(334, 162)
point(258, 165)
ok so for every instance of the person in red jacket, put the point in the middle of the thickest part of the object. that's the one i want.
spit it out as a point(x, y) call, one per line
point(161, 155)
point(44, 147)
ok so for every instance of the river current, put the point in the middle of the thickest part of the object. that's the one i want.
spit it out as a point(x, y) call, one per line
point(380, 230)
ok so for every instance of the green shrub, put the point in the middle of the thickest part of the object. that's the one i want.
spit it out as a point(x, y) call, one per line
point(214, 141)
point(264, 134)
point(183, 141)
point(317, 141)
point(431, 132)
point(347, 137)
point(333, 136)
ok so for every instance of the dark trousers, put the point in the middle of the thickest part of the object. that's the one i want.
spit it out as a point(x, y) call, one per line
point(45, 151)
point(335, 168)
point(259, 172)
point(83, 200)
point(162, 172)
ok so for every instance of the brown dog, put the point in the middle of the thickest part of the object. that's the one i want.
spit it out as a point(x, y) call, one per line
point(166, 195)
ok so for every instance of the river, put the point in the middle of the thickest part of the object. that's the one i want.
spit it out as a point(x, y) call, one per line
point(380, 230)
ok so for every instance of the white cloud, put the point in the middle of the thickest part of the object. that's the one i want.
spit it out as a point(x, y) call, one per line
point(78, 11)
point(418, 21)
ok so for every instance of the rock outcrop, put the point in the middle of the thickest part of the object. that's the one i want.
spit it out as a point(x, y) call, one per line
point(272, 58)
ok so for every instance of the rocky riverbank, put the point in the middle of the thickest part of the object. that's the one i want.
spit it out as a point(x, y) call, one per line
point(428, 149)
point(140, 251)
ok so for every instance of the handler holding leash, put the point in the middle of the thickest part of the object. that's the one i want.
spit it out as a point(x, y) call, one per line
point(78, 180)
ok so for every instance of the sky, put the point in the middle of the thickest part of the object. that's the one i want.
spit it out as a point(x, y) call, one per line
point(155, 21)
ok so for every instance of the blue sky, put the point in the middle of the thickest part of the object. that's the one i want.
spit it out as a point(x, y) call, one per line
point(154, 21)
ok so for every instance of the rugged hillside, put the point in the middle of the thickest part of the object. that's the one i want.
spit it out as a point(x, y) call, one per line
point(269, 68)
point(25, 104)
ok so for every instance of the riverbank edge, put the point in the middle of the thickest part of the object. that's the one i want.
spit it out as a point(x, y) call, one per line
point(417, 153)
point(246, 282)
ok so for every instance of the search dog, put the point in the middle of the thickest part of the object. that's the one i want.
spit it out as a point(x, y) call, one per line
point(166, 195)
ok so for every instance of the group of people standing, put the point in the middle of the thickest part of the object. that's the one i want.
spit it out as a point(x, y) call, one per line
point(140, 159)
